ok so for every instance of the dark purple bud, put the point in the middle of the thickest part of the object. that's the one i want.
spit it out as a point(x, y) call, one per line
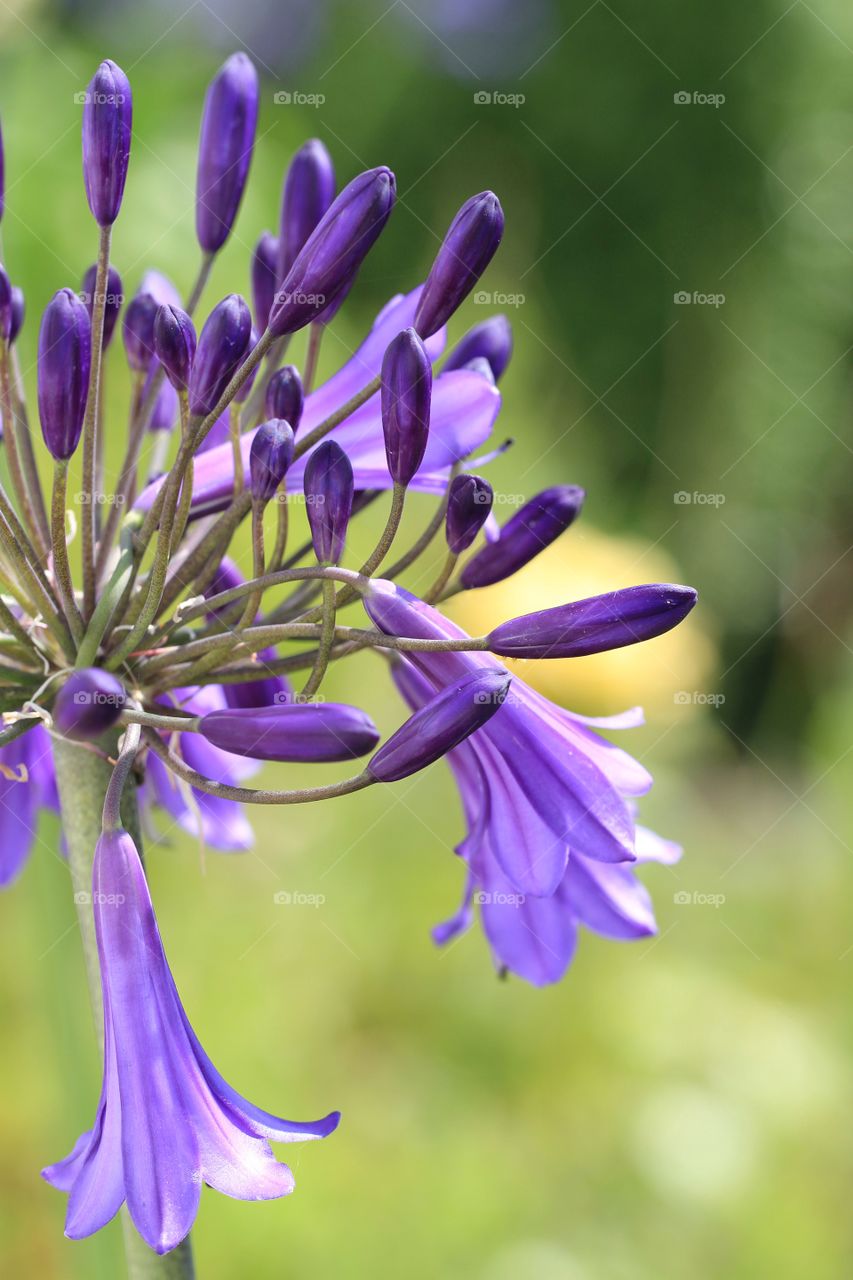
point(490, 340)
point(264, 277)
point(445, 721)
point(5, 305)
point(297, 732)
point(334, 251)
point(225, 149)
point(89, 703)
point(18, 312)
point(175, 344)
point(329, 489)
point(113, 298)
point(246, 390)
point(468, 508)
point(593, 626)
point(309, 189)
point(137, 331)
point(406, 394)
point(285, 396)
point(530, 531)
point(64, 358)
point(222, 344)
point(468, 248)
point(107, 115)
point(269, 457)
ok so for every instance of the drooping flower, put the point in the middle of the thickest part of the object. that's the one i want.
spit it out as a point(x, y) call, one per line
point(27, 785)
point(166, 1120)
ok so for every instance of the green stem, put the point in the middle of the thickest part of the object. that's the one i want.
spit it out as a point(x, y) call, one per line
point(61, 566)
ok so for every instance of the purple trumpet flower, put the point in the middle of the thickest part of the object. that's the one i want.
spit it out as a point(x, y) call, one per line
point(468, 507)
point(175, 344)
point(64, 358)
point(5, 305)
point(167, 1121)
point(469, 246)
point(530, 531)
point(112, 301)
point(271, 454)
point(441, 724)
point(309, 189)
point(329, 490)
point(88, 704)
point(19, 308)
point(137, 331)
point(228, 126)
point(595, 625)
point(406, 395)
point(264, 277)
point(27, 785)
point(296, 732)
point(107, 117)
point(490, 340)
point(333, 253)
point(285, 397)
point(222, 344)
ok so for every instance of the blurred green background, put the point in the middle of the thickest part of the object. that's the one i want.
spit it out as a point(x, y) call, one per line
point(676, 1108)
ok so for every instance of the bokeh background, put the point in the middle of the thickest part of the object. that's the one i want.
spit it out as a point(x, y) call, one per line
point(674, 1108)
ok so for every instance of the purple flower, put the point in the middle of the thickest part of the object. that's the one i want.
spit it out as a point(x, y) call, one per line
point(539, 522)
point(18, 312)
point(491, 340)
point(468, 506)
point(311, 732)
point(5, 305)
point(64, 357)
point(137, 331)
point(406, 394)
point(468, 248)
point(264, 277)
point(107, 116)
point(267, 690)
point(222, 344)
point(285, 397)
point(269, 457)
point(309, 189)
point(27, 785)
point(88, 704)
point(228, 125)
point(112, 301)
point(175, 344)
point(166, 1120)
point(329, 490)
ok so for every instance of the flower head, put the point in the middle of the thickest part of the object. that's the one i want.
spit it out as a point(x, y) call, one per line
point(107, 117)
point(228, 126)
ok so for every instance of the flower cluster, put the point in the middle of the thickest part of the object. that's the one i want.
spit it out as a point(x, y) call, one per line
point(165, 663)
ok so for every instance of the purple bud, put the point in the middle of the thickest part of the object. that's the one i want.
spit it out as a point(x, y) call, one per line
point(334, 251)
point(174, 344)
point(264, 277)
point(64, 357)
point(18, 312)
point(137, 331)
point(5, 305)
point(445, 721)
point(89, 703)
point(246, 389)
point(530, 531)
point(467, 249)
point(269, 457)
point(225, 149)
point(107, 115)
point(405, 395)
point(595, 625)
point(490, 340)
point(285, 396)
point(309, 189)
point(468, 508)
point(112, 300)
point(311, 732)
point(329, 489)
point(222, 344)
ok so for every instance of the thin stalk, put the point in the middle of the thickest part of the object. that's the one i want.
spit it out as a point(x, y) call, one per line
point(125, 476)
point(22, 459)
point(280, 544)
point(443, 578)
point(61, 565)
point(346, 595)
point(89, 487)
point(327, 639)
point(13, 539)
point(255, 405)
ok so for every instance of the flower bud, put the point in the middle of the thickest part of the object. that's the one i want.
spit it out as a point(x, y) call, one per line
point(491, 340)
point(112, 300)
point(89, 703)
point(439, 726)
point(269, 457)
point(468, 248)
point(530, 531)
point(285, 396)
point(264, 277)
point(333, 253)
point(64, 357)
point(5, 305)
point(107, 116)
point(18, 312)
point(329, 487)
point(406, 394)
point(309, 189)
point(296, 732)
point(595, 625)
point(468, 507)
point(137, 331)
point(222, 344)
point(228, 125)
point(175, 344)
